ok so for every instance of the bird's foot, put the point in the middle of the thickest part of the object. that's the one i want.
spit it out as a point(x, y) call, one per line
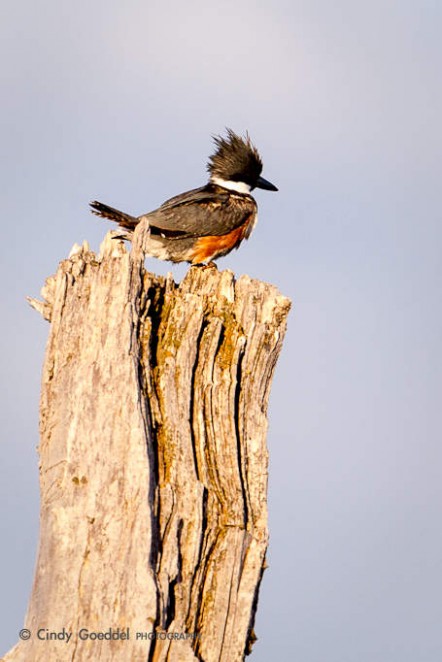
point(209, 265)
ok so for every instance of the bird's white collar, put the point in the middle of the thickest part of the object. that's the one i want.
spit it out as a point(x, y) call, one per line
point(240, 187)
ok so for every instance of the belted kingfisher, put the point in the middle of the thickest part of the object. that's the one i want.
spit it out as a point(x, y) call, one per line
point(208, 222)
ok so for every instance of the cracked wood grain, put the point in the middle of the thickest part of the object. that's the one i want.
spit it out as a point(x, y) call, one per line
point(153, 459)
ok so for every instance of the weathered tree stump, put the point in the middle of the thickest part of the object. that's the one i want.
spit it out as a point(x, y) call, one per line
point(153, 461)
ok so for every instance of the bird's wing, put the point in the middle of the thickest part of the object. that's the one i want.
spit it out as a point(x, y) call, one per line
point(202, 194)
point(206, 211)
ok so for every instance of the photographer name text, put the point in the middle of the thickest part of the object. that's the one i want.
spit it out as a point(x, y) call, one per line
point(109, 634)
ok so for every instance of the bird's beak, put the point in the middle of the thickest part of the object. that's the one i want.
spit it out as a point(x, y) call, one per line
point(263, 183)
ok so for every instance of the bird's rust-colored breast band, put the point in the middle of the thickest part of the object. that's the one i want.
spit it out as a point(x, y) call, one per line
point(212, 246)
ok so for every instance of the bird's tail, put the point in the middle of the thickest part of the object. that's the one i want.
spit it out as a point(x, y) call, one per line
point(124, 220)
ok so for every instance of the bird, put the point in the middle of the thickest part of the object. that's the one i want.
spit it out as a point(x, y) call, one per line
point(206, 223)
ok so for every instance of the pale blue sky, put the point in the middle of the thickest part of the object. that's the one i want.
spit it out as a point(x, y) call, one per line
point(117, 101)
